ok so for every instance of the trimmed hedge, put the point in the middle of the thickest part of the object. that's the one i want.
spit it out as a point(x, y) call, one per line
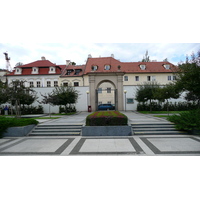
point(189, 120)
point(6, 122)
point(106, 118)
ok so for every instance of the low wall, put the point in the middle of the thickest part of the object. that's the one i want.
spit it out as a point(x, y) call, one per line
point(18, 131)
point(106, 131)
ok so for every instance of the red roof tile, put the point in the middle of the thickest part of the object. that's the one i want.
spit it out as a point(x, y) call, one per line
point(73, 68)
point(126, 67)
point(39, 63)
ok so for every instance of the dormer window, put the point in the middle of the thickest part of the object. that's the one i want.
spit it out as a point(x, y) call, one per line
point(18, 71)
point(167, 66)
point(94, 68)
point(107, 67)
point(52, 70)
point(142, 67)
point(69, 72)
point(77, 71)
point(35, 70)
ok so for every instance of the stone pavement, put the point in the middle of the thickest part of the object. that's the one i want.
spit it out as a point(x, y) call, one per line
point(140, 145)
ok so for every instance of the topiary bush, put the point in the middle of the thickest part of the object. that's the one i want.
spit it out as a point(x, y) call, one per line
point(189, 120)
point(106, 118)
point(6, 122)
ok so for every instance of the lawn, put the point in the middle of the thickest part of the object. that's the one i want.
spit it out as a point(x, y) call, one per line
point(161, 112)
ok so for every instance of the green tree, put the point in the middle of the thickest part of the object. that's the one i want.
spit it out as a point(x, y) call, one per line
point(3, 97)
point(146, 58)
point(166, 92)
point(61, 96)
point(17, 94)
point(146, 92)
point(188, 77)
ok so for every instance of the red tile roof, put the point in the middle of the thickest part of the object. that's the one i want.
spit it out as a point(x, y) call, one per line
point(43, 66)
point(126, 67)
point(73, 68)
point(39, 63)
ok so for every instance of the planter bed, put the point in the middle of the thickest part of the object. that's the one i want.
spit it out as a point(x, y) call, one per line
point(18, 131)
point(106, 131)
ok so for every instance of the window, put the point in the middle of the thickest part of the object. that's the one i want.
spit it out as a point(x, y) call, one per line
point(69, 72)
point(65, 84)
point(142, 67)
point(77, 71)
point(109, 90)
point(76, 84)
point(167, 66)
point(31, 84)
point(169, 78)
point(174, 77)
point(17, 70)
point(100, 90)
point(55, 83)
point(38, 83)
point(109, 102)
point(125, 78)
point(136, 78)
point(94, 68)
point(107, 67)
point(34, 70)
point(130, 101)
point(48, 83)
point(151, 78)
point(100, 102)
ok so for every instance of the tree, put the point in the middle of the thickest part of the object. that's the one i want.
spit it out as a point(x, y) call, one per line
point(146, 58)
point(146, 92)
point(61, 96)
point(188, 77)
point(3, 97)
point(17, 94)
point(166, 92)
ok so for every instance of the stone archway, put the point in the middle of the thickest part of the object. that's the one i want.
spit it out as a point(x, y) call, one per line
point(95, 79)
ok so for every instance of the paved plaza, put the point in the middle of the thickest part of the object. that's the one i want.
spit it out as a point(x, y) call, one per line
point(136, 145)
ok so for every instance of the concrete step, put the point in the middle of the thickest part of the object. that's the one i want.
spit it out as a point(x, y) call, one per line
point(155, 129)
point(159, 133)
point(56, 130)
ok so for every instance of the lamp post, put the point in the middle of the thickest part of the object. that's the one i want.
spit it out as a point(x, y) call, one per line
point(87, 92)
point(125, 99)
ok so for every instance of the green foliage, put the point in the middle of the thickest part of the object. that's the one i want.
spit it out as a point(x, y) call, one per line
point(187, 120)
point(6, 122)
point(61, 96)
point(106, 118)
point(188, 77)
point(180, 106)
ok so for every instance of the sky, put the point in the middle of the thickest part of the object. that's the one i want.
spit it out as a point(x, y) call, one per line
point(78, 52)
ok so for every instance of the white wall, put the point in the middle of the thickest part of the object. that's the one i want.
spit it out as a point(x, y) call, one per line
point(81, 104)
point(131, 91)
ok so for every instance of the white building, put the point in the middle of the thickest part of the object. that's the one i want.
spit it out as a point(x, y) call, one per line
point(99, 80)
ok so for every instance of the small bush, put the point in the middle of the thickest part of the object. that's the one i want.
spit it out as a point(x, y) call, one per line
point(6, 122)
point(187, 120)
point(106, 118)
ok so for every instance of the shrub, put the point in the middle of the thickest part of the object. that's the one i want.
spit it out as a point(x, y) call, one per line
point(6, 122)
point(187, 120)
point(106, 118)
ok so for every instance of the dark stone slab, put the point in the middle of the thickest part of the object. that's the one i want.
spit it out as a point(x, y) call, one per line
point(106, 131)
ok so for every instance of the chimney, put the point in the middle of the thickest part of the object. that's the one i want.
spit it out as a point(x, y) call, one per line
point(67, 62)
point(89, 56)
point(43, 58)
point(112, 55)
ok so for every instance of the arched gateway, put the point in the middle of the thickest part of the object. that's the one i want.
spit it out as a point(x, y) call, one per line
point(116, 79)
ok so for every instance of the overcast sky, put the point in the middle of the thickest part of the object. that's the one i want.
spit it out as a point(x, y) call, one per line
point(70, 30)
point(78, 52)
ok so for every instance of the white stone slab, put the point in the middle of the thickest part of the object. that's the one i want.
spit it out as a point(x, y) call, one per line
point(175, 144)
point(37, 145)
point(107, 145)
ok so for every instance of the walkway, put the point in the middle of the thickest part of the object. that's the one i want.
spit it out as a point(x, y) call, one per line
point(140, 145)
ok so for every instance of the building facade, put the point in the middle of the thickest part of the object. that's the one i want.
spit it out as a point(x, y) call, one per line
point(99, 80)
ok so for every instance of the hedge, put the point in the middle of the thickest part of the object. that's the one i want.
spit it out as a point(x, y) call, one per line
point(187, 121)
point(106, 118)
point(6, 122)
